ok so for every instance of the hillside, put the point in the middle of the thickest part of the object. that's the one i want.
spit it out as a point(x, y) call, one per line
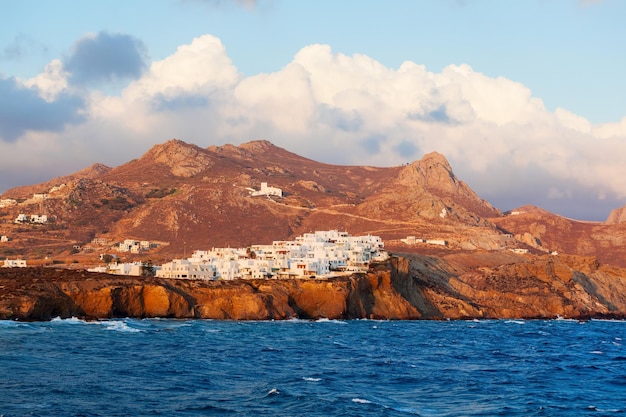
point(185, 197)
point(182, 197)
point(548, 232)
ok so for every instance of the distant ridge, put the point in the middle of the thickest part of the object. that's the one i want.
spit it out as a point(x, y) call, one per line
point(617, 216)
point(93, 171)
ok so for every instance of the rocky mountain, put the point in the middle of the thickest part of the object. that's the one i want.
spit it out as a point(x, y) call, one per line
point(550, 233)
point(183, 197)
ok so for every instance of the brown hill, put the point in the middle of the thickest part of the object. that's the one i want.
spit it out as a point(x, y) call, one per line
point(26, 191)
point(548, 232)
point(185, 197)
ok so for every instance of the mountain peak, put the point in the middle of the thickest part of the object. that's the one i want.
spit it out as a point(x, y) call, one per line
point(258, 146)
point(434, 174)
point(435, 158)
point(184, 159)
point(433, 171)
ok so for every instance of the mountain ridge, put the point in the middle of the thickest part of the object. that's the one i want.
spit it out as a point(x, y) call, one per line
point(185, 196)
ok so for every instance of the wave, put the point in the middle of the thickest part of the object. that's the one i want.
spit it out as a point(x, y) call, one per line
point(119, 325)
point(515, 322)
point(71, 320)
point(361, 401)
point(325, 320)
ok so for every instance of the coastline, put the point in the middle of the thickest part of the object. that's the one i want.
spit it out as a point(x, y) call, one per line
point(420, 288)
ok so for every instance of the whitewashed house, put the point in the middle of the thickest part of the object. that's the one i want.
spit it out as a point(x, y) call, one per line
point(134, 269)
point(14, 263)
point(8, 202)
point(4, 238)
point(39, 218)
point(267, 191)
point(312, 255)
point(21, 218)
point(185, 269)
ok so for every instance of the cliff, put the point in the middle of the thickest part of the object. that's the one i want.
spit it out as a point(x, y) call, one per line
point(423, 287)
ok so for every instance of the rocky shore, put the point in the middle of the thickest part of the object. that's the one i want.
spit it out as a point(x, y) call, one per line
point(456, 286)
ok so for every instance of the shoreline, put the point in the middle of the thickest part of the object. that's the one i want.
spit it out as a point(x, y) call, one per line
point(419, 288)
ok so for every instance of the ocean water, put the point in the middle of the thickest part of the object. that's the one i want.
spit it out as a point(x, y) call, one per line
point(312, 368)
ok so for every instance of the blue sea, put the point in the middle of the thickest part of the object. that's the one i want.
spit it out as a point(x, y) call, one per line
point(312, 368)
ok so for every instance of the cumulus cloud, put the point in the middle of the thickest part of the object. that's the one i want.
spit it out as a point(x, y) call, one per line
point(51, 82)
point(22, 109)
point(336, 108)
point(106, 57)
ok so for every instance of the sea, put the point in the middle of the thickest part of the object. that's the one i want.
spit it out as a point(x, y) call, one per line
point(161, 367)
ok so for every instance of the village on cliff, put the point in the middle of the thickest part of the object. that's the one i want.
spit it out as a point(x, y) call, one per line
point(315, 255)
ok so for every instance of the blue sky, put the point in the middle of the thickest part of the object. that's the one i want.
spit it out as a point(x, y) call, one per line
point(527, 99)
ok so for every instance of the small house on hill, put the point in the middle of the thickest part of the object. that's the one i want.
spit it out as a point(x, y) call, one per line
point(267, 191)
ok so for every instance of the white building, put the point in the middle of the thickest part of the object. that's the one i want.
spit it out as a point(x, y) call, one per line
point(8, 202)
point(133, 246)
point(316, 254)
point(519, 250)
point(100, 241)
point(184, 268)
point(265, 190)
point(133, 268)
point(38, 218)
point(14, 263)
point(4, 238)
point(439, 242)
point(412, 240)
point(21, 218)
point(34, 218)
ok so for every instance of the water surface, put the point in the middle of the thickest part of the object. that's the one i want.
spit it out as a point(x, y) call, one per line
point(312, 368)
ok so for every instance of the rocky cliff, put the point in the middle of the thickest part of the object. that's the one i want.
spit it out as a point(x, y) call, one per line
point(422, 287)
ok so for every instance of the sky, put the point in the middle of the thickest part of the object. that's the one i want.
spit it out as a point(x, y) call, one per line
point(525, 98)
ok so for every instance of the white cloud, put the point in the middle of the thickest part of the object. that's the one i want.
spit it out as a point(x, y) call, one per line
point(199, 67)
point(351, 110)
point(51, 82)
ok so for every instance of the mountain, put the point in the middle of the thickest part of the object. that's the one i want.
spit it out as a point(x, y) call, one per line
point(184, 197)
point(548, 232)
point(90, 172)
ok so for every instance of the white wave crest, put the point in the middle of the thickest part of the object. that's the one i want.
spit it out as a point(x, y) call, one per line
point(119, 326)
point(361, 401)
point(71, 320)
point(325, 320)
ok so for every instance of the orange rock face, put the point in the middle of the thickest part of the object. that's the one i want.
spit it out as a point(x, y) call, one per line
point(457, 286)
